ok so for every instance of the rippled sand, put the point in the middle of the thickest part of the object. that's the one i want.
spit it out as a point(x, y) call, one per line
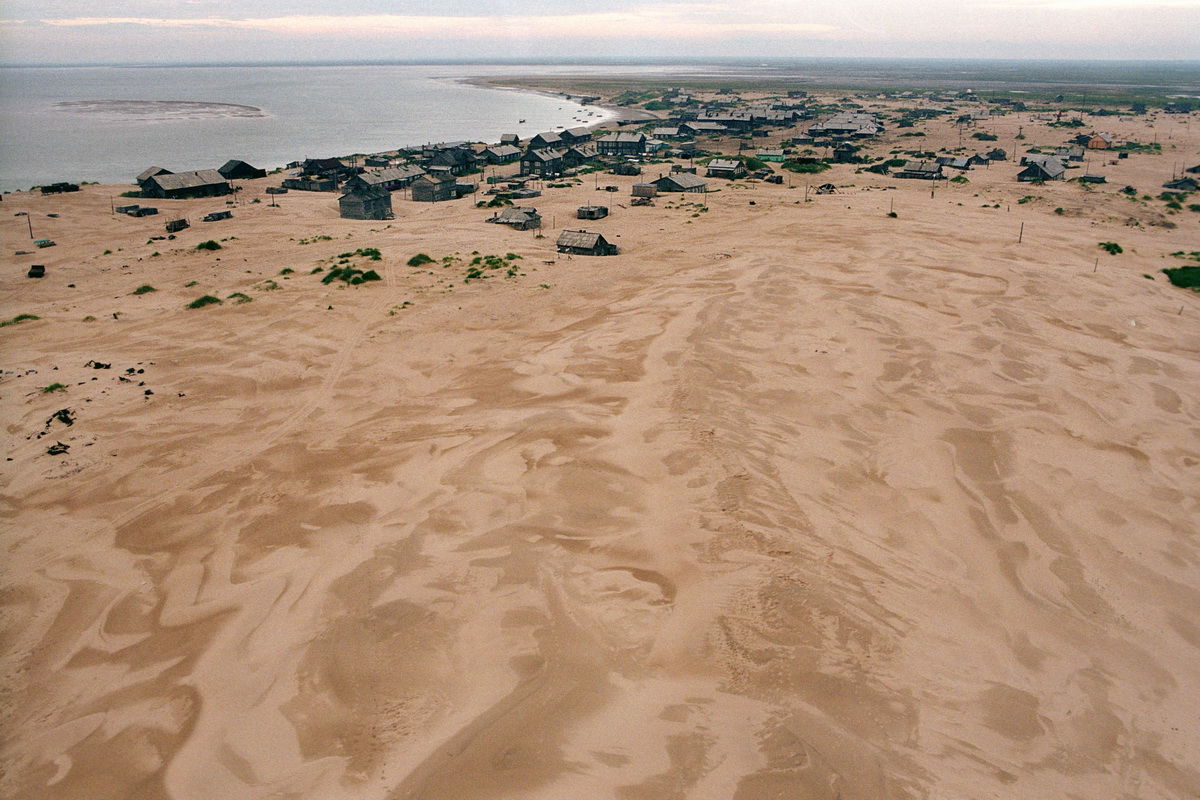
point(787, 501)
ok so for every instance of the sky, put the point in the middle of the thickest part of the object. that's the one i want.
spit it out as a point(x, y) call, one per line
point(198, 31)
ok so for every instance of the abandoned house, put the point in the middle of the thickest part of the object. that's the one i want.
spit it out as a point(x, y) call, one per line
point(240, 170)
point(202, 183)
point(725, 168)
point(583, 243)
point(521, 219)
point(364, 201)
point(433, 188)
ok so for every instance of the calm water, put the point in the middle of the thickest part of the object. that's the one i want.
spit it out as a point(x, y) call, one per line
point(306, 112)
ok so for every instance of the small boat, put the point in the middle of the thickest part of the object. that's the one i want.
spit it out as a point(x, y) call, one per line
point(520, 121)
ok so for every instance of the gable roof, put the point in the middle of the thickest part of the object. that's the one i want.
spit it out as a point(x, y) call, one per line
point(581, 239)
point(684, 180)
point(726, 163)
point(515, 215)
point(187, 180)
point(375, 177)
point(150, 172)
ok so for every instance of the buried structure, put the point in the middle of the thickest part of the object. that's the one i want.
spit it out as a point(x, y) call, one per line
point(584, 243)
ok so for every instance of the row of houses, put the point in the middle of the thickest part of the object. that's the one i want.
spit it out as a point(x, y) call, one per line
point(162, 183)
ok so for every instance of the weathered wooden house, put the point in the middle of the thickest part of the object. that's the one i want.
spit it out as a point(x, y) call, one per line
point(998, 154)
point(234, 169)
point(921, 170)
point(583, 243)
point(365, 201)
point(433, 188)
point(510, 139)
point(702, 129)
point(680, 182)
point(202, 183)
point(1044, 168)
point(309, 183)
point(1100, 141)
point(519, 218)
point(776, 156)
point(150, 172)
point(644, 190)
point(327, 168)
point(666, 132)
point(725, 168)
point(622, 143)
point(1093, 179)
point(845, 153)
point(626, 168)
point(954, 162)
point(579, 154)
point(545, 161)
point(577, 135)
point(501, 154)
point(389, 179)
point(459, 160)
point(544, 140)
point(1182, 185)
point(591, 212)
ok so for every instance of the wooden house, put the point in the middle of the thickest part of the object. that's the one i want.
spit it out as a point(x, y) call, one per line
point(997, 154)
point(240, 170)
point(389, 179)
point(458, 160)
point(1044, 168)
point(326, 168)
point(544, 161)
point(150, 172)
point(202, 183)
point(577, 135)
point(622, 143)
point(521, 219)
point(1099, 141)
point(921, 170)
point(725, 168)
point(644, 190)
point(544, 140)
point(845, 153)
point(680, 182)
point(364, 201)
point(433, 188)
point(583, 243)
point(1182, 185)
point(702, 129)
point(626, 168)
point(776, 155)
point(501, 153)
point(510, 139)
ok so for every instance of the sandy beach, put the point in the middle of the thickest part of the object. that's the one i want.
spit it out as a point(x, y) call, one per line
point(790, 499)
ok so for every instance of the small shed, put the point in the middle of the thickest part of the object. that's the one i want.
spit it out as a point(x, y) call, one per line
point(1182, 185)
point(433, 188)
point(216, 216)
point(177, 225)
point(521, 219)
point(591, 212)
point(826, 188)
point(366, 202)
point(1042, 169)
point(921, 170)
point(1092, 179)
point(626, 168)
point(583, 243)
point(645, 190)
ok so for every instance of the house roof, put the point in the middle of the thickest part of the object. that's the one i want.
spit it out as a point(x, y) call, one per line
point(436, 178)
point(544, 154)
point(374, 177)
point(503, 150)
point(724, 163)
point(921, 166)
point(150, 172)
point(358, 190)
point(515, 214)
point(581, 239)
point(684, 180)
point(187, 180)
point(623, 136)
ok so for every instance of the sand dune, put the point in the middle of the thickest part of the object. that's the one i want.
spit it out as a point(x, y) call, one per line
point(790, 500)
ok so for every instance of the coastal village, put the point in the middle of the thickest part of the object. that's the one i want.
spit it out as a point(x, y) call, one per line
point(754, 443)
point(707, 139)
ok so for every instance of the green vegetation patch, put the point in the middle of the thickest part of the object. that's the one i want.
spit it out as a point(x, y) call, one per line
point(206, 300)
point(145, 288)
point(1184, 277)
point(419, 259)
point(1112, 248)
point(208, 245)
point(805, 169)
point(54, 387)
point(19, 318)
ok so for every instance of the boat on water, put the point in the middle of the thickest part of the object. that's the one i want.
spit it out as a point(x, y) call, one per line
point(520, 121)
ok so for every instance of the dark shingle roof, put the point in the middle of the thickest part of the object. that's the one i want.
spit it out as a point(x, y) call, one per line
point(188, 180)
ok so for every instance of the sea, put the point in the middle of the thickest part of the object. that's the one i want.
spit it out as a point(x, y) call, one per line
point(108, 123)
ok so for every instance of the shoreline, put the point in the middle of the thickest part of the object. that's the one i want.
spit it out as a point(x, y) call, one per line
point(618, 114)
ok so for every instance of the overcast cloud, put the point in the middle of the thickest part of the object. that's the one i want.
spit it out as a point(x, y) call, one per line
point(72, 31)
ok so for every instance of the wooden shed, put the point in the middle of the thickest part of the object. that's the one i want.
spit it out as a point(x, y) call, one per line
point(680, 182)
point(591, 212)
point(583, 243)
